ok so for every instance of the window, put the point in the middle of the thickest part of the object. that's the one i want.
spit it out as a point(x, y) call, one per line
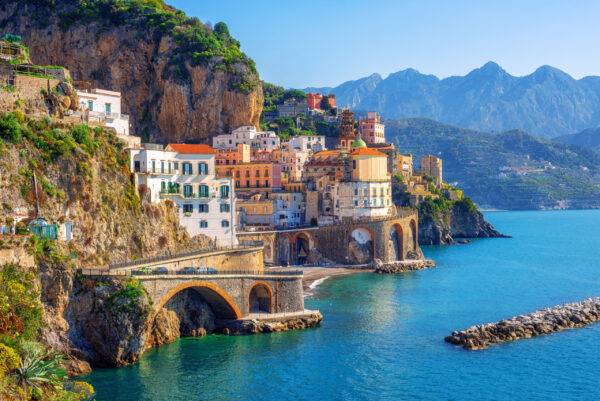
point(163, 186)
point(266, 173)
point(355, 191)
point(202, 168)
point(224, 223)
point(203, 224)
point(203, 192)
point(247, 173)
point(237, 174)
point(187, 168)
point(354, 164)
point(247, 183)
point(169, 167)
point(257, 173)
point(176, 165)
point(107, 108)
point(162, 167)
point(237, 184)
point(355, 203)
point(203, 208)
point(187, 190)
point(188, 208)
point(225, 191)
point(90, 105)
point(266, 183)
point(154, 166)
point(225, 208)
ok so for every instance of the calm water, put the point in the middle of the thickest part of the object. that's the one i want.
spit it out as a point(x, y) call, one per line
point(382, 337)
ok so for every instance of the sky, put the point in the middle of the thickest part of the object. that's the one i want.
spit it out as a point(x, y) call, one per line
point(300, 43)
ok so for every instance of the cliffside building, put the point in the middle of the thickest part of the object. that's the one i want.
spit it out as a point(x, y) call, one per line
point(185, 174)
point(432, 166)
point(247, 135)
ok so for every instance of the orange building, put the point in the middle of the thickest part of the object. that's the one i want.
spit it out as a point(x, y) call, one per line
point(313, 100)
point(247, 176)
point(241, 154)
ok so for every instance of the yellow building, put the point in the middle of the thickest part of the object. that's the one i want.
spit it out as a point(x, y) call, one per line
point(405, 166)
point(369, 165)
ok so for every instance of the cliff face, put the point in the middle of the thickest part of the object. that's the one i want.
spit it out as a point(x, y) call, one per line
point(457, 222)
point(166, 101)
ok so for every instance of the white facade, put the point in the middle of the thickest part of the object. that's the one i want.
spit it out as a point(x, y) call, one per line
point(248, 135)
point(205, 204)
point(289, 209)
point(105, 106)
point(357, 199)
point(313, 143)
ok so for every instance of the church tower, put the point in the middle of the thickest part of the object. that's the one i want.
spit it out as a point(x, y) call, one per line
point(347, 133)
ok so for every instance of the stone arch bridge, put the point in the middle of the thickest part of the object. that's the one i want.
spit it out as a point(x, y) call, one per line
point(352, 241)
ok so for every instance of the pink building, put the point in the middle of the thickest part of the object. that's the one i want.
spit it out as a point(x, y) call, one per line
point(371, 128)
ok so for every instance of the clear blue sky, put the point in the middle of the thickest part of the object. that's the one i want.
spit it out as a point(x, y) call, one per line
point(299, 43)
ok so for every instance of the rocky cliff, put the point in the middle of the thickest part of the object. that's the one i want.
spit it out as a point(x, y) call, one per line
point(180, 80)
point(79, 174)
point(458, 221)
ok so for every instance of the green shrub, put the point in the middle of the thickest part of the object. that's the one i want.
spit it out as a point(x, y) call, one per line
point(9, 360)
point(10, 128)
point(20, 308)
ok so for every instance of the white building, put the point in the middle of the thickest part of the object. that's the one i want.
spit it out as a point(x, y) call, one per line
point(357, 199)
point(185, 174)
point(289, 209)
point(104, 106)
point(248, 135)
point(314, 143)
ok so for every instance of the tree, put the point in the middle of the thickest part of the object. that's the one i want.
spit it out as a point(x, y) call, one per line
point(221, 29)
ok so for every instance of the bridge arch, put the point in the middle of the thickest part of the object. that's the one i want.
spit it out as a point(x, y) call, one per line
point(361, 246)
point(222, 304)
point(397, 241)
point(260, 298)
point(413, 232)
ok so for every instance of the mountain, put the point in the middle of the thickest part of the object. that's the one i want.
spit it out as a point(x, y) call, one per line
point(588, 139)
point(181, 80)
point(547, 103)
point(509, 170)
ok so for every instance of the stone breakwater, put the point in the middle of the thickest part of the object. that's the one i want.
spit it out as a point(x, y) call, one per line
point(402, 266)
point(254, 326)
point(545, 321)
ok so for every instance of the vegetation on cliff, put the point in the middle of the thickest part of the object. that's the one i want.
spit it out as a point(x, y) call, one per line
point(29, 370)
point(196, 42)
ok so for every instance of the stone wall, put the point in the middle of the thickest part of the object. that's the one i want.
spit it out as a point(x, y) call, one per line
point(229, 297)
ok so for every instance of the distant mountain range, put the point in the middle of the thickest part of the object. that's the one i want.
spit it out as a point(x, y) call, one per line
point(587, 139)
point(547, 103)
point(509, 170)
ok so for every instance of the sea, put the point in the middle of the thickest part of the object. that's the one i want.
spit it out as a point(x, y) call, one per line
point(382, 337)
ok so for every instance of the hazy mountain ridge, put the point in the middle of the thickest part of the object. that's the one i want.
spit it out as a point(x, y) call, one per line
point(510, 170)
point(587, 139)
point(547, 102)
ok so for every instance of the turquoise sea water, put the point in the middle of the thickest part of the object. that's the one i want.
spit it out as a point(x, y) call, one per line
point(382, 337)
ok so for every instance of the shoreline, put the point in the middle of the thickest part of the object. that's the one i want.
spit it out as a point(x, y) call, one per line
point(314, 276)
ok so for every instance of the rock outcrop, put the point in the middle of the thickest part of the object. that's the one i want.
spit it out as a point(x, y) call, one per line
point(253, 326)
point(401, 266)
point(167, 102)
point(457, 222)
point(541, 322)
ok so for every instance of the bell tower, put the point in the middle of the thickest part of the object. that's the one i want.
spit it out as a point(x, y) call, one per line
point(347, 132)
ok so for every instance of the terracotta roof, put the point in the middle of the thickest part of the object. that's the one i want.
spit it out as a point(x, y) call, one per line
point(367, 152)
point(325, 153)
point(191, 149)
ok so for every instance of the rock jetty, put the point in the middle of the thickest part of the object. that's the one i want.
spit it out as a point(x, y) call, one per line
point(545, 321)
point(254, 326)
point(401, 266)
